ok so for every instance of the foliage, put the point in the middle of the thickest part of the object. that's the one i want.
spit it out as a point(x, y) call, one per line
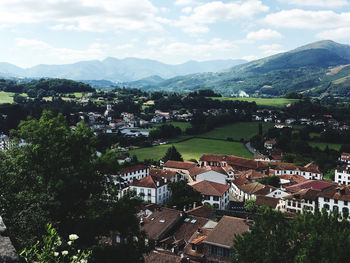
point(271, 180)
point(183, 195)
point(53, 249)
point(172, 154)
point(250, 205)
point(165, 132)
point(305, 238)
point(57, 177)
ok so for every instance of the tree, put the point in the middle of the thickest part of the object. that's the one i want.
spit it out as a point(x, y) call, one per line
point(172, 154)
point(57, 177)
point(275, 238)
point(250, 205)
point(271, 180)
point(183, 195)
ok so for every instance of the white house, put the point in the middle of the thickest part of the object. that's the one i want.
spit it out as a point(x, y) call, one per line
point(214, 194)
point(345, 158)
point(309, 171)
point(151, 189)
point(131, 173)
point(342, 175)
point(304, 199)
point(336, 198)
point(277, 193)
point(180, 167)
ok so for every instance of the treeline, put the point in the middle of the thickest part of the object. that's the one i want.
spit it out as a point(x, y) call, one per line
point(44, 86)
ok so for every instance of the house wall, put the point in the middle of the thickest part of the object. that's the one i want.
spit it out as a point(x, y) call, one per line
point(278, 193)
point(307, 175)
point(217, 202)
point(130, 177)
point(153, 195)
point(342, 177)
point(297, 206)
point(333, 204)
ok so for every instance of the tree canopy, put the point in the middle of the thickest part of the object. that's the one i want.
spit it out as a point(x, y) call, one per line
point(172, 154)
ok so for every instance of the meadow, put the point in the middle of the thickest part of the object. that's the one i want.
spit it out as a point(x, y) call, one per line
point(267, 102)
point(237, 131)
point(193, 149)
point(182, 125)
point(323, 145)
point(6, 97)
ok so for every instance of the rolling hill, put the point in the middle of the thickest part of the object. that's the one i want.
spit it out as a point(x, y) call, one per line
point(305, 69)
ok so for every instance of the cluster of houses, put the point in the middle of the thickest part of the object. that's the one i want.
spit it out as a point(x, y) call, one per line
point(193, 235)
point(325, 121)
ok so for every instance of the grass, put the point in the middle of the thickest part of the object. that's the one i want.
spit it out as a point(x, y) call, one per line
point(193, 149)
point(182, 125)
point(322, 145)
point(314, 135)
point(268, 102)
point(6, 97)
point(237, 131)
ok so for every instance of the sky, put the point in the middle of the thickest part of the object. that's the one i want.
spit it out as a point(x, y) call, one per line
point(66, 31)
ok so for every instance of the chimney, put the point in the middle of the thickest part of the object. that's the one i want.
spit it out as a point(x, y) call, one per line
point(157, 183)
point(165, 180)
point(194, 205)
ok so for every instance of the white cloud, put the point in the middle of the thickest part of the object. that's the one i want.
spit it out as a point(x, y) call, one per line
point(186, 10)
point(87, 15)
point(185, 2)
point(338, 33)
point(264, 34)
point(95, 50)
point(303, 19)
point(318, 3)
point(212, 12)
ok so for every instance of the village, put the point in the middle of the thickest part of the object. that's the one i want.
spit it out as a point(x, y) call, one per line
point(225, 183)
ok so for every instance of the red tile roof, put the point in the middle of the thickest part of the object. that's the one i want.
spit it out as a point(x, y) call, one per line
point(310, 184)
point(337, 192)
point(133, 168)
point(202, 211)
point(252, 174)
point(233, 161)
point(210, 188)
point(149, 182)
point(305, 194)
point(224, 233)
point(179, 165)
point(267, 201)
point(240, 180)
point(162, 173)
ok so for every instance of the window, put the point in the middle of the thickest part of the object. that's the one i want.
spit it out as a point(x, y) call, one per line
point(117, 239)
point(193, 247)
point(216, 198)
point(345, 210)
point(149, 192)
point(335, 201)
point(216, 206)
point(335, 208)
point(345, 202)
point(326, 206)
point(326, 199)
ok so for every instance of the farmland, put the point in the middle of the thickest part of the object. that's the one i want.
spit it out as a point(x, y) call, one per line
point(266, 102)
point(193, 149)
point(6, 97)
point(237, 131)
point(323, 145)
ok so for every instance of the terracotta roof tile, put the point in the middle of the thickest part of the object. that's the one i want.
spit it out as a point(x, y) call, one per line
point(210, 188)
point(224, 233)
point(162, 173)
point(267, 201)
point(233, 161)
point(252, 187)
point(180, 165)
point(305, 194)
point(202, 211)
point(133, 168)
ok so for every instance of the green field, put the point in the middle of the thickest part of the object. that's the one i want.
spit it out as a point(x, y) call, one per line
point(314, 135)
point(6, 97)
point(193, 149)
point(322, 145)
point(182, 125)
point(273, 102)
point(237, 131)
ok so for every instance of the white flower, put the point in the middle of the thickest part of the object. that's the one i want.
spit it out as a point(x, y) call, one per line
point(64, 252)
point(73, 237)
point(78, 250)
point(75, 257)
point(70, 243)
point(58, 242)
point(56, 254)
point(83, 261)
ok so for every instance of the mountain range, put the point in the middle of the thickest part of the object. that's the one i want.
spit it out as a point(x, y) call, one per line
point(116, 70)
point(317, 69)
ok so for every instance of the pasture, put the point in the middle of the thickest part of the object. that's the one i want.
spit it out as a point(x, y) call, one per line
point(193, 149)
point(266, 102)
